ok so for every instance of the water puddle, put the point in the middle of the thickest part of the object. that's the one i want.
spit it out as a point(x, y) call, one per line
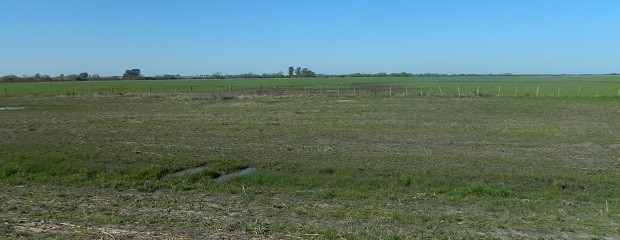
point(186, 171)
point(219, 179)
point(240, 172)
point(11, 108)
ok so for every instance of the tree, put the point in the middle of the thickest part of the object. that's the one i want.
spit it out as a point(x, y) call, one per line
point(132, 74)
point(9, 78)
point(290, 71)
point(72, 77)
point(297, 71)
point(83, 76)
point(305, 72)
point(217, 75)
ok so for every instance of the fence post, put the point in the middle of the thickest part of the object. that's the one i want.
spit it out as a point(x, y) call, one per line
point(305, 89)
point(231, 89)
point(478, 91)
point(390, 90)
point(459, 89)
point(73, 91)
point(579, 91)
point(217, 90)
point(422, 91)
point(338, 91)
point(150, 89)
point(5, 91)
point(261, 90)
point(558, 92)
point(406, 89)
point(440, 92)
point(353, 90)
point(375, 89)
point(191, 88)
point(499, 91)
point(537, 88)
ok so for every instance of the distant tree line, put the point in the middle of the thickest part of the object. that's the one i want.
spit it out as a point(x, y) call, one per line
point(60, 78)
point(293, 72)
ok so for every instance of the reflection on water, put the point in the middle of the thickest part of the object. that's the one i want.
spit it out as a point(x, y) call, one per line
point(240, 172)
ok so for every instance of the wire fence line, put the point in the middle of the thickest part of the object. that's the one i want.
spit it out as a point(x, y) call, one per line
point(370, 90)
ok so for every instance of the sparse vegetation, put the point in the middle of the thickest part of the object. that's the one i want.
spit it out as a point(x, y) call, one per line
point(349, 166)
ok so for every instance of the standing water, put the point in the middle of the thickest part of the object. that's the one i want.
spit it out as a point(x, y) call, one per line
point(11, 108)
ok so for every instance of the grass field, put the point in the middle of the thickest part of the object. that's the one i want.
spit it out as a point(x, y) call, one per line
point(586, 86)
point(328, 166)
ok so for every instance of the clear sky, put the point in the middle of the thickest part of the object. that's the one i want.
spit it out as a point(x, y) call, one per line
point(188, 37)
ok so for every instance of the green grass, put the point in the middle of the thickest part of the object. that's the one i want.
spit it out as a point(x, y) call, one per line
point(329, 166)
point(450, 85)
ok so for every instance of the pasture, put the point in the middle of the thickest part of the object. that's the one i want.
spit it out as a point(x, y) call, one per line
point(509, 86)
point(98, 164)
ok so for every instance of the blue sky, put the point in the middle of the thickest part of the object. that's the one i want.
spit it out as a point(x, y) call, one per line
point(187, 37)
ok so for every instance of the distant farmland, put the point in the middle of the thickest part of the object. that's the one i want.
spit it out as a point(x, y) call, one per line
point(507, 86)
point(325, 159)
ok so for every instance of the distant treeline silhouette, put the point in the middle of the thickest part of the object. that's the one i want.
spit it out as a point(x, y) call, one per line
point(135, 74)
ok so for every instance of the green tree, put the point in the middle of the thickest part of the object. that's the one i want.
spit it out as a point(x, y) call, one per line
point(297, 71)
point(291, 70)
point(132, 74)
point(72, 77)
point(305, 72)
point(83, 76)
point(9, 78)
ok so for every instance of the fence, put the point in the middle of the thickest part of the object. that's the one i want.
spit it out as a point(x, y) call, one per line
point(367, 90)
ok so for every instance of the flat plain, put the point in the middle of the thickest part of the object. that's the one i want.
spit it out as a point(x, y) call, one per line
point(346, 165)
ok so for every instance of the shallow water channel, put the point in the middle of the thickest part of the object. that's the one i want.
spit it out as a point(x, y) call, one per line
point(240, 172)
point(11, 108)
point(221, 178)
